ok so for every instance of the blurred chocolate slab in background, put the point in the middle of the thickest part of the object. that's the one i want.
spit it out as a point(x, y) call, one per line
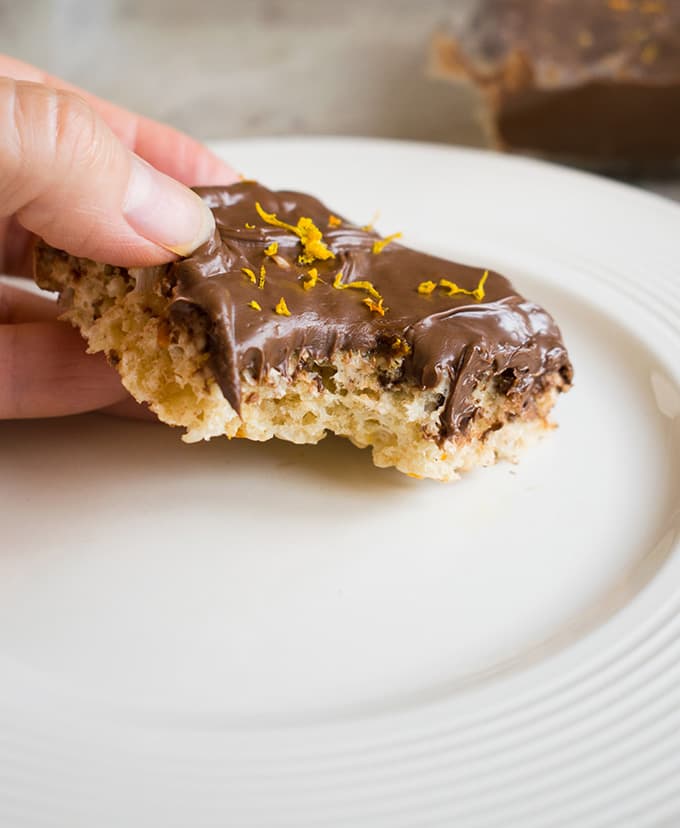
point(593, 82)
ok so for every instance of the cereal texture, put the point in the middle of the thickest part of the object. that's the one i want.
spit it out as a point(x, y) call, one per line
point(167, 365)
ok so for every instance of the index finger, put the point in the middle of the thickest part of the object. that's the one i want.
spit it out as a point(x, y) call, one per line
point(167, 149)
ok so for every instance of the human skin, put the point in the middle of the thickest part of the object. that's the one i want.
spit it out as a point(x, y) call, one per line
point(96, 181)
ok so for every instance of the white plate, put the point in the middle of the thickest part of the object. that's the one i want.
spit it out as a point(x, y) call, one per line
point(271, 635)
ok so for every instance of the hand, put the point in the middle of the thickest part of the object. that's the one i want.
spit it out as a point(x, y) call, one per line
point(95, 181)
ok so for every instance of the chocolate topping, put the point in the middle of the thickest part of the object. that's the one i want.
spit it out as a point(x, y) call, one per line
point(463, 335)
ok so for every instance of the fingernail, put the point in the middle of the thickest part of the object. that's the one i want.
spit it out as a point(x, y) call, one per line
point(164, 211)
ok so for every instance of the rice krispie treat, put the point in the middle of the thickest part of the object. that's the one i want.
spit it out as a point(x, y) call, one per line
point(292, 322)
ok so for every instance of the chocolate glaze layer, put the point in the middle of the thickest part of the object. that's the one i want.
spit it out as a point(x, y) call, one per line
point(504, 334)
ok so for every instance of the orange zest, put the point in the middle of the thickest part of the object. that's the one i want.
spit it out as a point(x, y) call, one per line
point(282, 308)
point(380, 244)
point(375, 307)
point(453, 289)
point(309, 234)
point(360, 285)
point(426, 288)
point(310, 278)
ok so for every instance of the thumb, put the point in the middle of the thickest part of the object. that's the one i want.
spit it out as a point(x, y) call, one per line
point(70, 180)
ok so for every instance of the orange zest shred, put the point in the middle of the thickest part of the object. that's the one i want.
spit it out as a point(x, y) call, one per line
point(312, 242)
point(310, 278)
point(361, 285)
point(250, 274)
point(374, 303)
point(380, 244)
point(375, 307)
point(309, 234)
point(401, 347)
point(426, 288)
point(479, 293)
point(453, 289)
point(255, 305)
point(334, 221)
point(282, 308)
point(263, 274)
point(271, 249)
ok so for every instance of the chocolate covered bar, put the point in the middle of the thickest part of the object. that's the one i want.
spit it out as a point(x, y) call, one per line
point(595, 82)
point(293, 322)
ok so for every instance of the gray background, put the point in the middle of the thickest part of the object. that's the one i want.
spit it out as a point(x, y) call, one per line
point(222, 68)
point(225, 68)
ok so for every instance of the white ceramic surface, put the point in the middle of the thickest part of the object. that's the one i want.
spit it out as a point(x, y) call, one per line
point(270, 635)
